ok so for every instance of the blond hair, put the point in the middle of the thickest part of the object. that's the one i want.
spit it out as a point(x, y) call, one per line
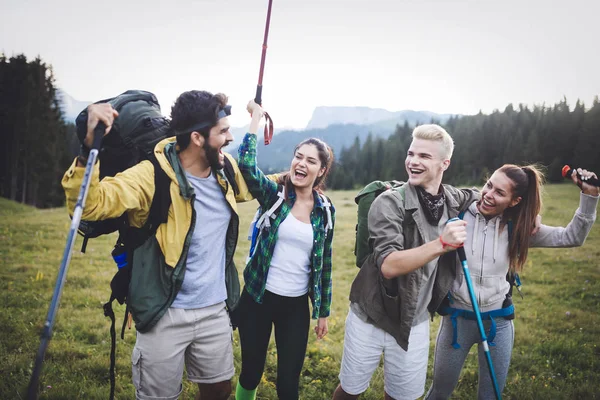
point(438, 134)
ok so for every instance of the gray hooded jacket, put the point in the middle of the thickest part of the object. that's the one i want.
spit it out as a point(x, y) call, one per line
point(487, 252)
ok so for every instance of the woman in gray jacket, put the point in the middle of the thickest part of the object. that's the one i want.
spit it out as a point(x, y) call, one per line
point(510, 202)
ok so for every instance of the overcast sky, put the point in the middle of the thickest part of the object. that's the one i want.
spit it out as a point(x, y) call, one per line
point(443, 56)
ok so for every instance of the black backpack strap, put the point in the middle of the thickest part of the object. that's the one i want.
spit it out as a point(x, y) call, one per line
point(159, 210)
point(125, 318)
point(230, 175)
point(84, 244)
point(108, 312)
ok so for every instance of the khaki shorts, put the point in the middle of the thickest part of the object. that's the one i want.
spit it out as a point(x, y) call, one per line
point(199, 338)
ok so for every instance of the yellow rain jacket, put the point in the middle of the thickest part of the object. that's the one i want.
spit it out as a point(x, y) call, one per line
point(159, 264)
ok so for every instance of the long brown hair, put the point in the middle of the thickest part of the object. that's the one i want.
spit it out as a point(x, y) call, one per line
point(326, 159)
point(527, 184)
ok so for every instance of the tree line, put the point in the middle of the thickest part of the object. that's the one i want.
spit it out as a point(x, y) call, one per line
point(550, 136)
point(36, 141)
point(38, 145)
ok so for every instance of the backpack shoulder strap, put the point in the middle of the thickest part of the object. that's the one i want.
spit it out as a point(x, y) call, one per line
point(327, 204)
point(159, 210)
point(265, 218)
point(158, 214)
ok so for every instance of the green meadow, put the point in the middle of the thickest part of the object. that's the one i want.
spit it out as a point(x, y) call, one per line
point(557, 340)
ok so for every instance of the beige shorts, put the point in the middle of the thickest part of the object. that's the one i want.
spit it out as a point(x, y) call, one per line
point(199, 338)
point(404, 371)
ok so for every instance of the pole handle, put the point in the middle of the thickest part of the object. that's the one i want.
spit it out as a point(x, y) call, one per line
point(98, 135)
point(462, 256)
point(258, 97)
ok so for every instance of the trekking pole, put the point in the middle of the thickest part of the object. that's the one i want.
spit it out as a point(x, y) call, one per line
point(64, 266)
point(463, 260)
point(258, 97)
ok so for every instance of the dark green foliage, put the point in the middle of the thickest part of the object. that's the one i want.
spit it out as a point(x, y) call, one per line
point(550, 136)
point(35, 139)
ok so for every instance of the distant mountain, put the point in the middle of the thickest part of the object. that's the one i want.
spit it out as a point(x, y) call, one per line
point(70, 106)
point(323, 116)
point(277, 155)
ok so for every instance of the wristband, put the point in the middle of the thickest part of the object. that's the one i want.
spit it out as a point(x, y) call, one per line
point(444, 244)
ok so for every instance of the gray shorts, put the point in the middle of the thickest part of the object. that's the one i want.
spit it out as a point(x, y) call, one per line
point(201, 338)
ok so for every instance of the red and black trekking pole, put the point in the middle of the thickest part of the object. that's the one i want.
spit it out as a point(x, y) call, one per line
point(32, 392)
point(258, 97)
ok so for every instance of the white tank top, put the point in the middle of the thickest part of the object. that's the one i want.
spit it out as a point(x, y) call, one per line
point(289, 272)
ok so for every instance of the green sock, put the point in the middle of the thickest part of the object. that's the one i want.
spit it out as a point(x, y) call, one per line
point(244, 394)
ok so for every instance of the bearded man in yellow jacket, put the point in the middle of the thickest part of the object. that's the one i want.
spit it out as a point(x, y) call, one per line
point(183, 278)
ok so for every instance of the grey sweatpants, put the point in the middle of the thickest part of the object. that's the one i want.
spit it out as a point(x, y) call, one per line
point(449, 361)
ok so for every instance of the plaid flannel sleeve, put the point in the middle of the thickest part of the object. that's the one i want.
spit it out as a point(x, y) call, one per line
point(258, 184)
point(326, 281)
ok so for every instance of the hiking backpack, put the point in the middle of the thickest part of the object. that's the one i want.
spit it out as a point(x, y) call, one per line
point(132, 138)
point(262, 220)
point(364, 199)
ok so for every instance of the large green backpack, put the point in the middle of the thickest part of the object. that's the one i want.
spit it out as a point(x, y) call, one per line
point(364, 199)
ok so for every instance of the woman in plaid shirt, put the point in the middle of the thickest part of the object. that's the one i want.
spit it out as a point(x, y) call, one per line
point(291, 262)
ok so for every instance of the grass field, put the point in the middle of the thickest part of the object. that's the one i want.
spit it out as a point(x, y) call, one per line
point(557, 341)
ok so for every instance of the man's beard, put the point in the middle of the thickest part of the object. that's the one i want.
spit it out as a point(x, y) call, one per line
point(212, 155)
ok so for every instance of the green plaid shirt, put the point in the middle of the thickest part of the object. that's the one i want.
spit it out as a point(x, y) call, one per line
point(265, 191)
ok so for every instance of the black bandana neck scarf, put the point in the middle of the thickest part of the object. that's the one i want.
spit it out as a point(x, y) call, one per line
point(432, 205)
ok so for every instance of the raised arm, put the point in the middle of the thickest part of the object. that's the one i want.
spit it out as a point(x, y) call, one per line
point(575, 233)
point(261, 187)
point(131, 190)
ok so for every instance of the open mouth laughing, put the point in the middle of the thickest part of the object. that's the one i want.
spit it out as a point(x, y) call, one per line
point(300, 175)
point(416, 171)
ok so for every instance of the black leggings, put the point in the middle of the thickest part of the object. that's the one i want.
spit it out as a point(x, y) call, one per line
point(291, 318)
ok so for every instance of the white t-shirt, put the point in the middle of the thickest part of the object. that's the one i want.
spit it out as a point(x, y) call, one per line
point(289, 272)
